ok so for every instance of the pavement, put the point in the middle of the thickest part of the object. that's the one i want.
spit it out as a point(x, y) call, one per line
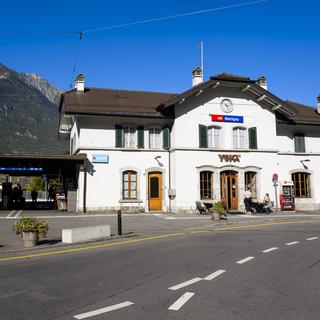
point(134, 225)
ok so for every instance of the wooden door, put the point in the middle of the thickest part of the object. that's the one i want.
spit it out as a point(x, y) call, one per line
point(229, 190)
point(155, 191)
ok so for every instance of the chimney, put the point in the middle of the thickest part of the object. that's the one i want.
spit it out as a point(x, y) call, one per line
point(79, 85)
point(318, 103)
point(197, 76)
point(262, 82)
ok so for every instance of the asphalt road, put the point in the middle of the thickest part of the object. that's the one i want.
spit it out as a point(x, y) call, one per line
point(174, 278)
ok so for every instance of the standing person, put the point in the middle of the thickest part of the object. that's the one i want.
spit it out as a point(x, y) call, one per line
point(248, 201)
point(34, 195)
point(51, 194)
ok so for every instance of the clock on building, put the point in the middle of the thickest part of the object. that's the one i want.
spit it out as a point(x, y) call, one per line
point(226, 105)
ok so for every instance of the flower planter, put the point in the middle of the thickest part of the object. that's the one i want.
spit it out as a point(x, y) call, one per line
point(216, 216)
point(30, 239)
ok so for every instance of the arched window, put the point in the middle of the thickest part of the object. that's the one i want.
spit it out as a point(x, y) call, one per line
point(299, 142)
point(239, 138)
point(250, 181)
point(301, 181)
point(129, 185)
point(154, 138)
point(206, 185)
point(214, 137)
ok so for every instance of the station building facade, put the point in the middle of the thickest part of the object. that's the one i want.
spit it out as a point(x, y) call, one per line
point(162, 152)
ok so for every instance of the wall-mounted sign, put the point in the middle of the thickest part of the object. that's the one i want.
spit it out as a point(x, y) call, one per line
point(229, 157)
point(20, 169)
point(100, 158)
point(225, 118)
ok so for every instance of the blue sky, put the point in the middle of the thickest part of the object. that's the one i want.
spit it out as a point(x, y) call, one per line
point(277, 38)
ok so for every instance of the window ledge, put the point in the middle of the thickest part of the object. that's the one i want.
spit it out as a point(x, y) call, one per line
point(130, 201)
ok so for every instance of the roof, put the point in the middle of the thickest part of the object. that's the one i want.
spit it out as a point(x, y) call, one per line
point(98, 101)
point(303, 113)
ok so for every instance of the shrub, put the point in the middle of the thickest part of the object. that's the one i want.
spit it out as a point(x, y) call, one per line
point(31, 225)
point(217, 207)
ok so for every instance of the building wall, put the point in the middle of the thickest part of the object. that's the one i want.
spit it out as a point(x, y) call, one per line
point(275, 154)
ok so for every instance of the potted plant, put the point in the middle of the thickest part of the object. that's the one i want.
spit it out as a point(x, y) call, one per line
point(31, 229)
point(217, 210)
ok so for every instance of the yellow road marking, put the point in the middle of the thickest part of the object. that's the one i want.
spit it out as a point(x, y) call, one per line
point(153, 238)
point(91, 247)
point(253, 226)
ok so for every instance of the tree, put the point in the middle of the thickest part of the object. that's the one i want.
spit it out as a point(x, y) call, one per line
point(37, 183)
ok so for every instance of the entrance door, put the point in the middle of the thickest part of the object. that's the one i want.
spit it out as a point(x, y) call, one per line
point(229, 189)
point(155, 191)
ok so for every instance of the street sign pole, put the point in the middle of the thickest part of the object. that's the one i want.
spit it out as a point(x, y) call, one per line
point(276, 195)
point(275, 184)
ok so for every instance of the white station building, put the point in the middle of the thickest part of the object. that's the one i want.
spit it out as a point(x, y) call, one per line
point(160, 152)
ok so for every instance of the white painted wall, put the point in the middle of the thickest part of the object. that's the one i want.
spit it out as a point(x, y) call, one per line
point(275, 154)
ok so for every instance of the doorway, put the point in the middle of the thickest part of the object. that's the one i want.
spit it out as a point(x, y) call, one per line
point(229, 189)
point(155, 191)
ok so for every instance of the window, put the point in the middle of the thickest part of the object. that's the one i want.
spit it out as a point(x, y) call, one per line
point(154, 138)
point(214, 137)
point(206, 185)
point(130, 137)
point(301, 181)
point(239, 138)
point(250, 181)
point(299, 142)
point(252, 133)
point(129, 185)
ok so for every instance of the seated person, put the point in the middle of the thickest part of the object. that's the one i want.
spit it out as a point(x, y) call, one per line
point(267, 203)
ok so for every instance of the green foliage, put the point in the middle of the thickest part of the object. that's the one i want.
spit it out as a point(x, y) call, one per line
point(217, 207)
point(37, 183)
point(31, 225)
point(54, 183)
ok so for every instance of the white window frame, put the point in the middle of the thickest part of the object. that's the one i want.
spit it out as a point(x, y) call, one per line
point(236, 137)
point(214, 142)
point(154, 138)
point(130, 136)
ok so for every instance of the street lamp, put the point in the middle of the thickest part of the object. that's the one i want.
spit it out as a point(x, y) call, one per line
point(303, 161)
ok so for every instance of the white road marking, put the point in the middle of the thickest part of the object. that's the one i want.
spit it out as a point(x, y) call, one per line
point(18, 214)
point(270, 249)
point(245, 260)
point(214, 275)
point(313, 238)
point(181, 301)
point(11, 213)
point(103, 310)
point(186, 283)
point(291, 243)
point(163, 216)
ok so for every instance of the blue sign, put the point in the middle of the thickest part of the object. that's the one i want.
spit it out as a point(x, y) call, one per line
point(237, 119)
point(100, 158)
point(20, 169)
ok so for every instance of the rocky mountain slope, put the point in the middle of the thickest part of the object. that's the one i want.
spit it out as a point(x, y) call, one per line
point(29, 114)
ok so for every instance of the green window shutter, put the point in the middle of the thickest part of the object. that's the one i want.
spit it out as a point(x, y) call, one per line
point(203, 136)
point(253, 144)
point(166, 138)
point(299, 142)
point(119, 136)
point(140, 130)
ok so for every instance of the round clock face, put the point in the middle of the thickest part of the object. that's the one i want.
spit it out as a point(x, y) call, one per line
point(226, 105)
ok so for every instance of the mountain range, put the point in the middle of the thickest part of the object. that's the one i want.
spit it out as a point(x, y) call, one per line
point(29, 115)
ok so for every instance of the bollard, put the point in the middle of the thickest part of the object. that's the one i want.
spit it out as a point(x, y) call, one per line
point(119, 223)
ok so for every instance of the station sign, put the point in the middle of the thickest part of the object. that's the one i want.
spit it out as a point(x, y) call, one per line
point(100, 158)
point(226, 118)
point(21, 169)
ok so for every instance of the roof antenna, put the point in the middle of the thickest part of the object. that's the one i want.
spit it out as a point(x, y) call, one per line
point(201, 57)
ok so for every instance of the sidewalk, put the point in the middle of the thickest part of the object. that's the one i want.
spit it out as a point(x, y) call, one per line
point(134, 225)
